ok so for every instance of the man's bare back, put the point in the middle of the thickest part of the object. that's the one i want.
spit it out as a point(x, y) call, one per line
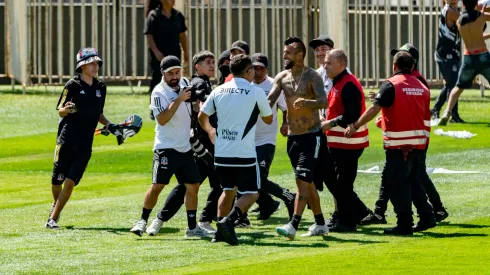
point(305, 95)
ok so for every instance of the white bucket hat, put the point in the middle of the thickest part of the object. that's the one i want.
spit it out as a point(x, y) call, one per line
point(87, 56)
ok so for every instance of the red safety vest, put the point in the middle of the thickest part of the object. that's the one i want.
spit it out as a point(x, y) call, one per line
point(335, 136)
point(417, 74)
point(405, 123)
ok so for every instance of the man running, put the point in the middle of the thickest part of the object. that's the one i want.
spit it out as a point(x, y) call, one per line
point(305, 96)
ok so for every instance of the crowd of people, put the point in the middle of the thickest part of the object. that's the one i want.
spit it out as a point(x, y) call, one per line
point(228, 134)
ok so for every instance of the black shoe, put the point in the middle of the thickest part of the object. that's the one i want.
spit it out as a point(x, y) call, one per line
point(290, 207)
point(265, 214)
point(334, 219)
point(217, 237)
point(227, 231)
point(364, 215)
point(434, 114)
point(242, 222)
point(457, 119)
point(424, 225)
point(441, 215)
point(339, 227)
point(373, 218)
point(399, 231)
point(255, 211)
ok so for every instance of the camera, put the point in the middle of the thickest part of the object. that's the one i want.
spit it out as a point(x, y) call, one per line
point(196, 94)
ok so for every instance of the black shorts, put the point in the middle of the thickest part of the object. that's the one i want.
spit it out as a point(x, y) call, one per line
point(303, 151)
point(265, 155)
point(247, 178)
point(70, 162)
point(167, 162)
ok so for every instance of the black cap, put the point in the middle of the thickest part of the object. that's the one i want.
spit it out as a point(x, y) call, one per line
point(241, 45)
point(410, 49)
point(260, 59)
point(321, 40)
point(170, 62)
point(224, 56)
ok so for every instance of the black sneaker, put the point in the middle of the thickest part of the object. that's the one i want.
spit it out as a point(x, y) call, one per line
point(434, 114)
point(227, 231)
point(399, 231)
point(334, 219)
point(339, 227)
point(424, 225)
point(265, 214)
point(242, 222)
point(374, 218)
point(441, 215)
point(217, 237)
point(457, 119)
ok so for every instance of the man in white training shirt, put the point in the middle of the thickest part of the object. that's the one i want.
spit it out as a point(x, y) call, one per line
point(237, 105)
point(172, 148)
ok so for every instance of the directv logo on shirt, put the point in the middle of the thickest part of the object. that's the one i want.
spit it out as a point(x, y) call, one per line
point(234, 91)
point(228, 134)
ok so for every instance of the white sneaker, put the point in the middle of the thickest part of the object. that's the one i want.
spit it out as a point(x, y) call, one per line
point(139, 228)
point(287, 231)
point(155, 227)
point(316, 230)
point(197, 232)
point(206, 226)
point(51, 224)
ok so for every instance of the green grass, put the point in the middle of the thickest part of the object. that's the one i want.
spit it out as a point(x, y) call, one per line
point(95, 224)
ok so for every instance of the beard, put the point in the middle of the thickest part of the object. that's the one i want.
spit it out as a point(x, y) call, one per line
point(288, 64)
point(173, 83)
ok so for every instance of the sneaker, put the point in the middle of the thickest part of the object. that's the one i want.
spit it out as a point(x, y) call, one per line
point(217, 237)
point(434, 114)
point(287, 231)
point(444, 119)
point(316, 230)
point(155, 227)
point(374, 219)
point(334, 219)
point(399, 231)
point(441, 215)
point(227, 231)
point(424, 225)
point(457, 119)
point(242, 222)
point(339, 227)
point(197, 232)
point(267, 213)
point(51, 224)
point(51, 212)
point(207, 227)
point(139, 228)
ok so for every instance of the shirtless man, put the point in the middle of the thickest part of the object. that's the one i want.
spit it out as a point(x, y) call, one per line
point(305, 96)
point(476, 59)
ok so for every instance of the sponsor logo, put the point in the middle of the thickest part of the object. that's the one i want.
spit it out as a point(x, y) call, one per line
point(82, 92)
point(235, 91)
point(61, 177)
point(229, 134)
point(164, 161)
point(262, 163)
point(97, 93)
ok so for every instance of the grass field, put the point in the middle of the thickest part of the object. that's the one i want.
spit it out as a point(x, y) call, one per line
point(95, 237)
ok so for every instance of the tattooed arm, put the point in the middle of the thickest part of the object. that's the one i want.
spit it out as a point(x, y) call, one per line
point(321, 97)
point(276, 89)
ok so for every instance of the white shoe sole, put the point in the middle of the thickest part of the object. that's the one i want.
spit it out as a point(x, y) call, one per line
point(285, 233)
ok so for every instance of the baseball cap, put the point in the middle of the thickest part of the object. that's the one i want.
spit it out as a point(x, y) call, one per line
point(224, 56)
point(260, 59)
point(241, 46)
point(170, 62)
point(321, 40)
point(408, 48)
point(87, 56)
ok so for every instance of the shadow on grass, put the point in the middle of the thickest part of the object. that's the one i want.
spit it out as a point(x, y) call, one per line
point(450, 235)
point(338, 240)
point(119, 230)
point(478, 123)
point(462, 225)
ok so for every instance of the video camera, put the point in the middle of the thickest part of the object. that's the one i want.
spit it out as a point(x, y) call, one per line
point(196, 94)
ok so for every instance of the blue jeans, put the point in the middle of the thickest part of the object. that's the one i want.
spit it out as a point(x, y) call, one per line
point(473, 65)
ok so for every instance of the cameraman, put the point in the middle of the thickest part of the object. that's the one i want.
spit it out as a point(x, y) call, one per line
point(172, 149)
point(203, 153)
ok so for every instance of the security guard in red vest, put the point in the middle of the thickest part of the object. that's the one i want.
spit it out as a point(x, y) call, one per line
point(405, 105)
point(346, 103)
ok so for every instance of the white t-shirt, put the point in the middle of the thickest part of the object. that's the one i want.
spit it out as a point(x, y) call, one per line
point(176, 132)
point(237, 105)
point(267, 134)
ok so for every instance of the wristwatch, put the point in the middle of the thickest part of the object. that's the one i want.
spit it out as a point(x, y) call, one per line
point(332, 123)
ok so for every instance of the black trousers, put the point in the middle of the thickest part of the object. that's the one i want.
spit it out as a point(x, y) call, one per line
point(449, 70)
point(429, 188)
point(340, 172)
point(402, 186)
point(175, 198)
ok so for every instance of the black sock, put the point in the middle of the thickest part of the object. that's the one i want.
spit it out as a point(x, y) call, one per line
point(319, 219)
point(220, 218)
point(145, 214)
point(191, 219)
point(234, 214)
point(295, 221)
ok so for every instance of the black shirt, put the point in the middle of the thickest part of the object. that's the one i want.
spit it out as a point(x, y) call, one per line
point(166, 31)
point(78, 128)
point(351, 99)
point(386, 95)
point(201, 82)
